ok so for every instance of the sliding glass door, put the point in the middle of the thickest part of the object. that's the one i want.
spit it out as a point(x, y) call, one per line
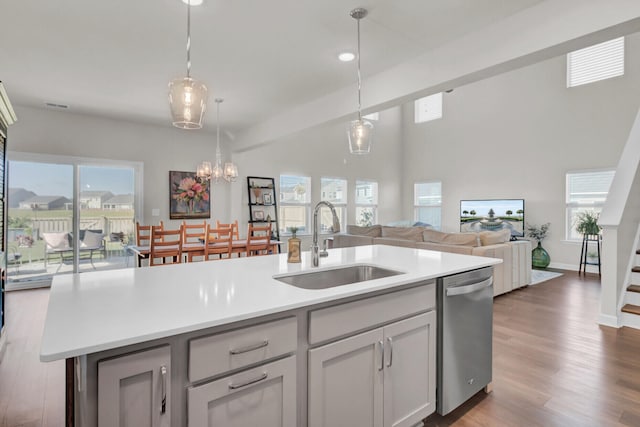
point(68, 215)
point(107, 216)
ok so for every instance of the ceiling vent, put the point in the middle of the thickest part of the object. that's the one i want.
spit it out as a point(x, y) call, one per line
point(54, 105)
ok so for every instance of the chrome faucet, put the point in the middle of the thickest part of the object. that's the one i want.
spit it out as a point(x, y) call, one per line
point(315, 256)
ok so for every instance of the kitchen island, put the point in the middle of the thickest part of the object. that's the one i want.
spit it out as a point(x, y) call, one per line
point(224, 343)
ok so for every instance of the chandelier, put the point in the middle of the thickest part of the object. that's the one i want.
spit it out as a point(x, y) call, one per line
point(187, 96)
point(360, 131)
point(230, 171)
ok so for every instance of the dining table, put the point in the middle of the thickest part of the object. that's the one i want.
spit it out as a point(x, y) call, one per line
point(238, 246)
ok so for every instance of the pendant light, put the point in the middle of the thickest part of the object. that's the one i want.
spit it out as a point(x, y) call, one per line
point(216, 173)
point(230, 170)
point(360, 131)
point(187, 96)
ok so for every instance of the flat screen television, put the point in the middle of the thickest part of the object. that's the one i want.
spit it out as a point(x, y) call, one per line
point(493, 215)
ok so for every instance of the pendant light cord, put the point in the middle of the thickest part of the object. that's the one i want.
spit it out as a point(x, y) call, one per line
point(359, 77)
point(218, 153)
point(189, 40)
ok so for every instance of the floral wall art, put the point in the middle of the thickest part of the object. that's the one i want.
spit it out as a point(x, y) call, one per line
point(189, 196)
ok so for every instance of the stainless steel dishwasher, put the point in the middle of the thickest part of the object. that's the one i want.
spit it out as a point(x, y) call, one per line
point(465, 325)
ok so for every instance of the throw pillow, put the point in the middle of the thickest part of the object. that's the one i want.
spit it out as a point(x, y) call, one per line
point(405, 233)
point(91, 239)
point(462, 239)
point(371, 231)
point(494, 237)
point(56, 240)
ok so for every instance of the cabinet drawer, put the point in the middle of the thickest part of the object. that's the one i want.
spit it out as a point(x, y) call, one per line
point(216, 354)
point(263, 396)
point(345, 319)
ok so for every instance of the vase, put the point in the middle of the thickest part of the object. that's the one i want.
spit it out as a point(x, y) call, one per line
point(540, 257)
point(293, 251)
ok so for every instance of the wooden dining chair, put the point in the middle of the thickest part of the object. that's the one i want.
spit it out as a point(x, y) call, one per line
point(258, 240)
point(193, 235)
point(143, 239)
point(235, 235)
point(217, 242)
point(166, 245)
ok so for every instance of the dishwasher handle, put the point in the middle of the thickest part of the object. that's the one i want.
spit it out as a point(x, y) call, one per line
point(467, 289)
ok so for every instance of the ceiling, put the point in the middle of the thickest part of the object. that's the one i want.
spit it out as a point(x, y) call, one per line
point(115, 58)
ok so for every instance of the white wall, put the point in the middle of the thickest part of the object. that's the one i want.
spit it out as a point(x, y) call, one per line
point(516, 135)
point(324, 152)
point(511, 136)
point(161, 149)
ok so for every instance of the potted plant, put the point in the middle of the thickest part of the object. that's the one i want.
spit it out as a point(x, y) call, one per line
point(592, 257)
point(539, 256)
point(587, 223)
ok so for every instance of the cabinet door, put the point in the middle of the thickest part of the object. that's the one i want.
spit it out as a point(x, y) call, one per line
point(133, 390)
point(410, 370)
point(345, 382)
point(264, 396)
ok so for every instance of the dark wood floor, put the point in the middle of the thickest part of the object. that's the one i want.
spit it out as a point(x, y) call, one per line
point(553, 365)
point(31, 392)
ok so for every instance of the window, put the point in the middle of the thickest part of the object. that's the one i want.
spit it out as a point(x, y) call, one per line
point(295, 203)
point(366, 202)
point(586, 191)
point(428, 108)
point(333, 190)
point(594, 63)
point(427, 203)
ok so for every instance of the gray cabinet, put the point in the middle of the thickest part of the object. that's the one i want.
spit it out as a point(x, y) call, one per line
point(410, 370)
point(264, 396)
point(382, 378)
point(133, 390)
point(345, 382)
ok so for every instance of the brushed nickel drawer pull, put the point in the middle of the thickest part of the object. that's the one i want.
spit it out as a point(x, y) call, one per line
point(381, 344)
point(252, 381)
point(163, 403)
point(390, 352)
point(249, 347)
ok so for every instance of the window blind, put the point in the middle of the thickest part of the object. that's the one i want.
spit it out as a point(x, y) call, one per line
point(594, 63)
point(588, 187)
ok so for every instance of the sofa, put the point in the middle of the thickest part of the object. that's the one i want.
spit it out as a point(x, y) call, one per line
point(513, 273)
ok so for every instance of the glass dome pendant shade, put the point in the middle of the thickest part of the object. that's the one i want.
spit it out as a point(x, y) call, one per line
point(216, 174)
point(187, 96)
point(230, 172)
point(360, 136)
point(204, 170)
point(360, 131)
point(188, 101)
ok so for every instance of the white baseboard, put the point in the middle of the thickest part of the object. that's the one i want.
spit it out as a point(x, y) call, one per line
point(28, 284)
point(3, 342)
point(573, 267)
point(608, 320)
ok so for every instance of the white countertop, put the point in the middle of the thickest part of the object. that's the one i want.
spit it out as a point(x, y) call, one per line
point(96, 311)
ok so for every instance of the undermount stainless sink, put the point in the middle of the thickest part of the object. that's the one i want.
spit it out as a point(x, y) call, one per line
point(323, 279)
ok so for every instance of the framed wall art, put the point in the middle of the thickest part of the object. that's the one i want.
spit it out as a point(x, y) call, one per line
point(189, 196)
